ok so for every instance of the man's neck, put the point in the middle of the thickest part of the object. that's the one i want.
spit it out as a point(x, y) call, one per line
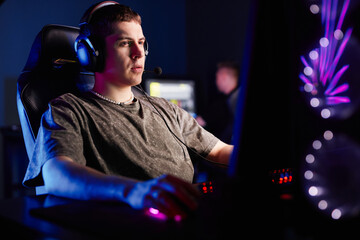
point(115, 93)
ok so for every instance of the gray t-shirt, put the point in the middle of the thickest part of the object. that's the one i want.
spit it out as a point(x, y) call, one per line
point(126, 140)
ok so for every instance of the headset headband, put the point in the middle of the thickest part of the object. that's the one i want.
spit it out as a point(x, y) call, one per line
point(86, 19)
point(89, 49)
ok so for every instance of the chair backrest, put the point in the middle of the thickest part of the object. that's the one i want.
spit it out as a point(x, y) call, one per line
point(51, 70)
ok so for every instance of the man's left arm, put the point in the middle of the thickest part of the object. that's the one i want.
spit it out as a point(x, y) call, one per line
point(192, 133)
point(221, 153)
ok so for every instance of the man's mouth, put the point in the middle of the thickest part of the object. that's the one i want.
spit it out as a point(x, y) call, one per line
point(137, 69)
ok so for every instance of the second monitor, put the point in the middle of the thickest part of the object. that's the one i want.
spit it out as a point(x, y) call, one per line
point(179, 92)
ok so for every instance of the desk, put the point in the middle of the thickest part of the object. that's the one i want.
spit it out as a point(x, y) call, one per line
point(16, 220)
point(41, 217)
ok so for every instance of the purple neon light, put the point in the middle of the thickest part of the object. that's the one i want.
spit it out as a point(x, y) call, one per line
point(321, 70)
point(340, 89)
point(335, 79)
point(304, 79)
point(342, 15)
point(337, 100)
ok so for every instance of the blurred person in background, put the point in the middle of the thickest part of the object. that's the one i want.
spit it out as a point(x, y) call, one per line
point(219, 116)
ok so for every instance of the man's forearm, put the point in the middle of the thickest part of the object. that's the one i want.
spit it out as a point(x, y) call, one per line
point(170, 195)
point(221, 153)
point(225, 154)
point(65, 178)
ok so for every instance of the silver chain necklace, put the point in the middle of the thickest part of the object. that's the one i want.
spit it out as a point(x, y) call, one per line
point(112, 101)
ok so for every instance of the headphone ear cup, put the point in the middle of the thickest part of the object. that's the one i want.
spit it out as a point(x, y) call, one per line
point(85, 54)
point(89, 55)
point(90, 49)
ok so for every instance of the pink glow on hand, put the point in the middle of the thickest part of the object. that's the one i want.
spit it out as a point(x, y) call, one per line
point(155, 213)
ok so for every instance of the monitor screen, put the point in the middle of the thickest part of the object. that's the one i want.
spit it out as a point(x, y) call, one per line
point(179, 92)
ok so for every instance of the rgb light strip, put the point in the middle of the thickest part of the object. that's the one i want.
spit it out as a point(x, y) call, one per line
point(321, 74)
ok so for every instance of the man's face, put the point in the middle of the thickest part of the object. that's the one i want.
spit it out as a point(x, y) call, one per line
point(125, 54)
point(225, 80)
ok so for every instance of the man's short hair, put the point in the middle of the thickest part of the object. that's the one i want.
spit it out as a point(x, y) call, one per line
point(103, 19)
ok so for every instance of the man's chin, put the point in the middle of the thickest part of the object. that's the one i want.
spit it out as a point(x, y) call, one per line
point(128, 81)
point(135, 82)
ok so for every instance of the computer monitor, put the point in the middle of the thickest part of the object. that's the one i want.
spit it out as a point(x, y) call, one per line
point(179, 92)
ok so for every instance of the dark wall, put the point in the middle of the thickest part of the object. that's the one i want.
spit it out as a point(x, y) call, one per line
point(216, 31)
point(20, 21)
point(187, 38)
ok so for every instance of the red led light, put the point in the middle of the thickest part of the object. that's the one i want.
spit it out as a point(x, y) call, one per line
point(281, 176)
point(286, 196)
point(206, 187)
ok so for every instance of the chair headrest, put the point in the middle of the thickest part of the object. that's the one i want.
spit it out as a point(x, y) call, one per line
point(51, 70)
point(52, 42)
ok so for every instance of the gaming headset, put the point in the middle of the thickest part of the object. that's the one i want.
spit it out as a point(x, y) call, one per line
point(90, 49)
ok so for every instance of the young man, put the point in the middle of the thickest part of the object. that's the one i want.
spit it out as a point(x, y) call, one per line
point(108, 145)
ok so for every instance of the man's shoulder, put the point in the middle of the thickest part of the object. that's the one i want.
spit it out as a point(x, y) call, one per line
point(68, 98)
point(147, 97)
point(69, 102)
point(157, 101)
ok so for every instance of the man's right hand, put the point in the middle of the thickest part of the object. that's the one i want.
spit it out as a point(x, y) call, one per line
point(170, 195)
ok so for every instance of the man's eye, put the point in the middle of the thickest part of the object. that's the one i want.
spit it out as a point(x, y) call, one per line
point(125, 44)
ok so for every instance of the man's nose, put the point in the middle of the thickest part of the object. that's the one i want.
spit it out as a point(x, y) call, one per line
point(137, 51)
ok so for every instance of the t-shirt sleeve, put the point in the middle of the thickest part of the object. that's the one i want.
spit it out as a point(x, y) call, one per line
point(195, 136)
point(59, 135)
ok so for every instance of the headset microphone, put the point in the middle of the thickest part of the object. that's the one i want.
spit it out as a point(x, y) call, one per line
point(157, 71)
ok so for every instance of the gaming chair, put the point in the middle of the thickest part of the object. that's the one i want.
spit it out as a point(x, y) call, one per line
point(51, 70)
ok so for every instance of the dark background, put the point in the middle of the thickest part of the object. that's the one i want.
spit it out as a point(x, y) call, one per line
point(187, 39)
